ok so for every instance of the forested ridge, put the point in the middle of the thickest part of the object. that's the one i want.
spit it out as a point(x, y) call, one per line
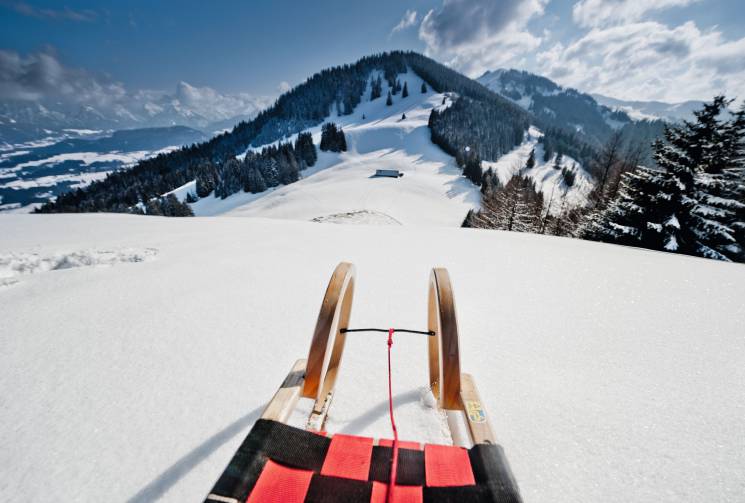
point(337, 89)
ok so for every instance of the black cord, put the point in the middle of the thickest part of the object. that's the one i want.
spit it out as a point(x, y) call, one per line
point(385, 330)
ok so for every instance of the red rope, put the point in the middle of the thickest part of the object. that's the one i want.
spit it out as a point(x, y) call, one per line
point(394, 463)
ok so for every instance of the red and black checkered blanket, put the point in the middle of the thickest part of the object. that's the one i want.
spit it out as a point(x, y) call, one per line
point(283, 464)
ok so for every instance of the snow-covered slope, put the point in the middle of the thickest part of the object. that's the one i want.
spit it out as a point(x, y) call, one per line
point(611, 374)
point(548, 179)
point(341, 188)
point(554, 104)
point(431, 192)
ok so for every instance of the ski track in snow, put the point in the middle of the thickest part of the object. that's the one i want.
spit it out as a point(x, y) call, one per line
point(610, 374)
point(23, 263)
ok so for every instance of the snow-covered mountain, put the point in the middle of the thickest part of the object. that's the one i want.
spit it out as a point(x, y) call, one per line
point(651, 110)
point(197, 107)
point(342, 188)
point(556, 105)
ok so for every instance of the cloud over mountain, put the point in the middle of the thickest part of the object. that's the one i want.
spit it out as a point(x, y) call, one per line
point(475, 35)
point(649, 60)
point(41, 80)
point(594, 13)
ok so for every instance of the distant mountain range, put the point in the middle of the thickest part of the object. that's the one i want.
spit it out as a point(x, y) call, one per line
point(640, 110)
point(556, 105)
point(549, 100)
point(196, 107)
point(34, 173)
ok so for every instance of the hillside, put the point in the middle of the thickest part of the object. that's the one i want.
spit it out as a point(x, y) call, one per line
point(556, 105)
point(335, 92)
point(611, 374)
point(342, 187)
point(581, 117)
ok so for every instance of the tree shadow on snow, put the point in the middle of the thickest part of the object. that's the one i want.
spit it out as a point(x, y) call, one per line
point(168, 478)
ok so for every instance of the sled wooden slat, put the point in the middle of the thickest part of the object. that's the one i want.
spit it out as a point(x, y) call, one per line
point(473, 408)
point(284, 400)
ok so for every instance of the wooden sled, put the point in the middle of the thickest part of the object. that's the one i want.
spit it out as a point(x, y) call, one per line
point(315, 378)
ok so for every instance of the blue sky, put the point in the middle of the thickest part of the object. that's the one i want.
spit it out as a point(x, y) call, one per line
point(653, 49)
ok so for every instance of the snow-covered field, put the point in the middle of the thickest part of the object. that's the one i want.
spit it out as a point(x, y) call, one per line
point(610, 374)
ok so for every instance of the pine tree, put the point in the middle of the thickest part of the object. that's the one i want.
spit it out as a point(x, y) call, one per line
point(305, 150)
point(376, 89)
point(424, 88)
point(341, 141)
point(489, 182)
point(735, 180)
point(255, 182)
point(405, 92)
point(396, 87)
point(389, 100)
point(645, 213)
point(153, 208)
point(568, 175)
point(718, 198)
point(472, 169)
point(700, 153)
point(557, 161)
point(530, 164)
point(205, 180)
point(515, 207)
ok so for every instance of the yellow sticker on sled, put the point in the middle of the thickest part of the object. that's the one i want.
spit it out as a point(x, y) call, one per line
point(475, 412)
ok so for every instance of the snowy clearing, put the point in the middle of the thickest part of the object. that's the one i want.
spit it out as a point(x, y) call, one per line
point(611, 374)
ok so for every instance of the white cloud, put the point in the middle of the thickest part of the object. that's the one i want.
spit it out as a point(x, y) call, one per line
point(42, 78)
point(64, 14)
point(41, 75)
point(283, 87)
point(408, 20)
point(597, 13)
point(478, 35)
point(649, 60)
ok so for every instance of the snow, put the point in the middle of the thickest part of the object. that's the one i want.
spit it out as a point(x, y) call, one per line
point(548, 179)
point(83, 132)
point(88, 158)
point(431, 192)
point(81, 179)
point(610, 373)
point(182, 192)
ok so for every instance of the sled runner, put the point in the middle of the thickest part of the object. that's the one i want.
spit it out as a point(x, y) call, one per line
point(280, 463)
